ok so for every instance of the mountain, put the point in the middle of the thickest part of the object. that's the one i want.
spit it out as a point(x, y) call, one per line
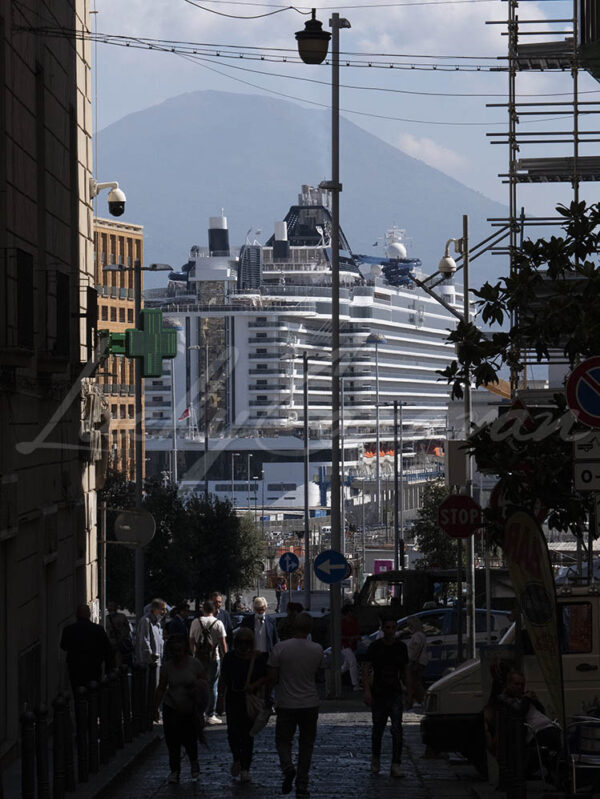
point(182, 160)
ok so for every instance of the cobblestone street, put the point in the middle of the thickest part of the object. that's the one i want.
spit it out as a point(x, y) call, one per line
point(340, 765)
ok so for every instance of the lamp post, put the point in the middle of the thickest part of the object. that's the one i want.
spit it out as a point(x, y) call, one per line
point(205, 412)
point(233, 457)
point(312, 48)
point(137, 270)
point(307, 574)
point(377, 339)
point(248, 459)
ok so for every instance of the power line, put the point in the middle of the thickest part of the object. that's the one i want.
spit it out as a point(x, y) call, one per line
point(353, 6)
point(254, 16)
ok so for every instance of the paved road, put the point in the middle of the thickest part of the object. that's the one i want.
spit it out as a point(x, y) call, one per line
point(340, 766)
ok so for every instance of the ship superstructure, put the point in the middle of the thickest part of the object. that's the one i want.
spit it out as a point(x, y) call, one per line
point(251, 314)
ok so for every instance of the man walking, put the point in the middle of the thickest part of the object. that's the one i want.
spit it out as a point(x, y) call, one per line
point(223, 616)
point(149, 642)
point(387, 658)
point(119, 634)
point(87, 647)
point(263, 626)
point(208, 644)
point(293, 667)
point(350, 639)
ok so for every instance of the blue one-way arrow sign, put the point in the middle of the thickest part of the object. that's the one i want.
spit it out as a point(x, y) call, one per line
point(331, 566)
point(288, 562)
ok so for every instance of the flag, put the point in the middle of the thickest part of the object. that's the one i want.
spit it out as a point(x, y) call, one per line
point(184, 415)
point(526, 553)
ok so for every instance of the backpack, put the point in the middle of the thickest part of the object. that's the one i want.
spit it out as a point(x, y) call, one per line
point(206, 649)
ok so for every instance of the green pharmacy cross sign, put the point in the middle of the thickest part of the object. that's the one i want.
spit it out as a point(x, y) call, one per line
point(151, 344)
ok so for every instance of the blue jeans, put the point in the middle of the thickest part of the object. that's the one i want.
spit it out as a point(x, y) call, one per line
point(383, 707)
point(288, 719)
point(212, 678)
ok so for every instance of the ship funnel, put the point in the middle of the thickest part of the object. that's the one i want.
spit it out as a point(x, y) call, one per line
point(281, 245)
point(218, 235)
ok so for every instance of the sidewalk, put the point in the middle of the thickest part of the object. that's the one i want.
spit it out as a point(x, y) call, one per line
point(341, 765)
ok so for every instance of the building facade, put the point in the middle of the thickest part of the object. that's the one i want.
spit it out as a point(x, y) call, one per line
point(49, 409)
point(118, 243)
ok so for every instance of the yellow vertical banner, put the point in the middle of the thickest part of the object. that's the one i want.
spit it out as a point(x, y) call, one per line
point(526, 553)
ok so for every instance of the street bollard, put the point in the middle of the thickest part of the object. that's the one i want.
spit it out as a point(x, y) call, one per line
point(58, 753)
point(511, 750)
point(93, 727)
point(104, 731)
point(114, 711)
point(125, 702)
point(82, 727)
point(70, 783)
point(27, 755)
point(151, 695)
point(41, 752)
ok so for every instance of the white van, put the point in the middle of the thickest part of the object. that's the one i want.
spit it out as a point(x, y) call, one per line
point(453, 705)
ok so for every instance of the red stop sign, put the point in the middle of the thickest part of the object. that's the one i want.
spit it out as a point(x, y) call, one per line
point(459, 516)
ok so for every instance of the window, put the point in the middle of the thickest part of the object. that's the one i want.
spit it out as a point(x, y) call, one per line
point(576, 633)
point(113, 411)
point(131, 411)
point(24, 299)
point(122, 411)
point(104, 313)
point(261, 335)
point(157, 414)
point(261, 351)
point(113, 314)
point(121, 314)
point(261, 366)
point(282, 487)
point(130, 315)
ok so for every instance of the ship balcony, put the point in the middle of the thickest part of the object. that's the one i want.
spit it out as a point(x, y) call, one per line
point(280, 325)
point(269, 340)
point(269, 388)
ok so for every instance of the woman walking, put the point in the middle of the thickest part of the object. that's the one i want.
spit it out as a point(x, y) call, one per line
point(183, 691)
point(417, 661)
point(243, 673)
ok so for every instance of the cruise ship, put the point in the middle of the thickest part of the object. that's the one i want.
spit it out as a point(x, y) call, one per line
point(228, 413)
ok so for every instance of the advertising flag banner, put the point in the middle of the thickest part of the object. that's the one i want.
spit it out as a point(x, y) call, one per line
point(184, 415)
point(526, 553)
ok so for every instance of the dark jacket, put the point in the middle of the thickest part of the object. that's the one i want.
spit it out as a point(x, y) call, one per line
point(87, 647)
point(270, 626)
point(223, 616)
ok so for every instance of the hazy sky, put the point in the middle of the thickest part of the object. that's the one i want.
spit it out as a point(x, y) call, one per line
point(128, 80)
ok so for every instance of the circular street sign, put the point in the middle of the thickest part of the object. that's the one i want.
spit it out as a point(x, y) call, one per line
point(135, 527)
point(583, 391)
point(289, 562)
point(459, 516)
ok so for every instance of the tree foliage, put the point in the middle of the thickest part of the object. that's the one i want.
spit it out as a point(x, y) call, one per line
point(550, 302)
point(439, 550)
point(198, 546)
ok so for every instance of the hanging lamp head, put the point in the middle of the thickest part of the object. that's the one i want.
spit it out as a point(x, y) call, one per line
point(313, 41)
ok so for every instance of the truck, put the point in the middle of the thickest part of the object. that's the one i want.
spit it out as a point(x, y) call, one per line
point(453, 720)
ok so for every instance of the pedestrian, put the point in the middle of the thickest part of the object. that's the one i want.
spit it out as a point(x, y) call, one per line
point(350, 639)
point(243, 672)
point(278, 595)
point(149, 641)
point(119, 634)
point(293, 667)
point(223, 616)
point(263, 626)
point(387, 658)
point(176, 626)
point(285, 626)
point(208, 644)
point(88, 649)
point(183, 692)
point(418, 658)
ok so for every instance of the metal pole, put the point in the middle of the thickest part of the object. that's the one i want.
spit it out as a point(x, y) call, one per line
point(335, 589)
point(377, 445)
point(102, 586)
point(364, 531)
point(401, 487)
point(472, 651)
point(396, 493)
point(248, 477)
point(591, 531)
point(174, 427)
point(232, 485)
point(206, 461)
point(488, 588)
point(459, 602)
point(343, 489)
point(139, 449)
point(307, 556)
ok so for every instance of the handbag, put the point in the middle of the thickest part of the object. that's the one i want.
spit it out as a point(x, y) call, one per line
point(257, 710)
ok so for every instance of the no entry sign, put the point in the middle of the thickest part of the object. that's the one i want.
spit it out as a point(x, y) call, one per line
point(459, 516)
point(583, 392)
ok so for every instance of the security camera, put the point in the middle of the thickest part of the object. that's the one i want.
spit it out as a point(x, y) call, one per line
point(447, 265)
point(116, 197)
point(116, 202)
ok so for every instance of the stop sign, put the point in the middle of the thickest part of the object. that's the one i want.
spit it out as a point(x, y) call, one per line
point(459, 516)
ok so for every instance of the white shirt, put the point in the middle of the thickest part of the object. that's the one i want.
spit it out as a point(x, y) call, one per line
point(297, 661)
point(260, 634)
point(217, 631)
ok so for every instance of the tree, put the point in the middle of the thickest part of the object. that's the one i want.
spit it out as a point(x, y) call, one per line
point(439, 550)
point(198, 546)
point(551, 302)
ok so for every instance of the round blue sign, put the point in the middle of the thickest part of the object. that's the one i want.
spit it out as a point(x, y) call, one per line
point(289, 562)
point(583, 392)
point(331, 566)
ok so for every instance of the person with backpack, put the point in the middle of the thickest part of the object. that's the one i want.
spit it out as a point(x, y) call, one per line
point(208, 644)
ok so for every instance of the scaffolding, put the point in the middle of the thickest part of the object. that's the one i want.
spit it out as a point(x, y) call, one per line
point(572, 46)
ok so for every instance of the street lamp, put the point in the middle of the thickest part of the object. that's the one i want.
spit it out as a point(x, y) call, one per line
point(377, 339)
point(312, 48)
point(137, 270)
point(248, 459)
point(234, 455)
